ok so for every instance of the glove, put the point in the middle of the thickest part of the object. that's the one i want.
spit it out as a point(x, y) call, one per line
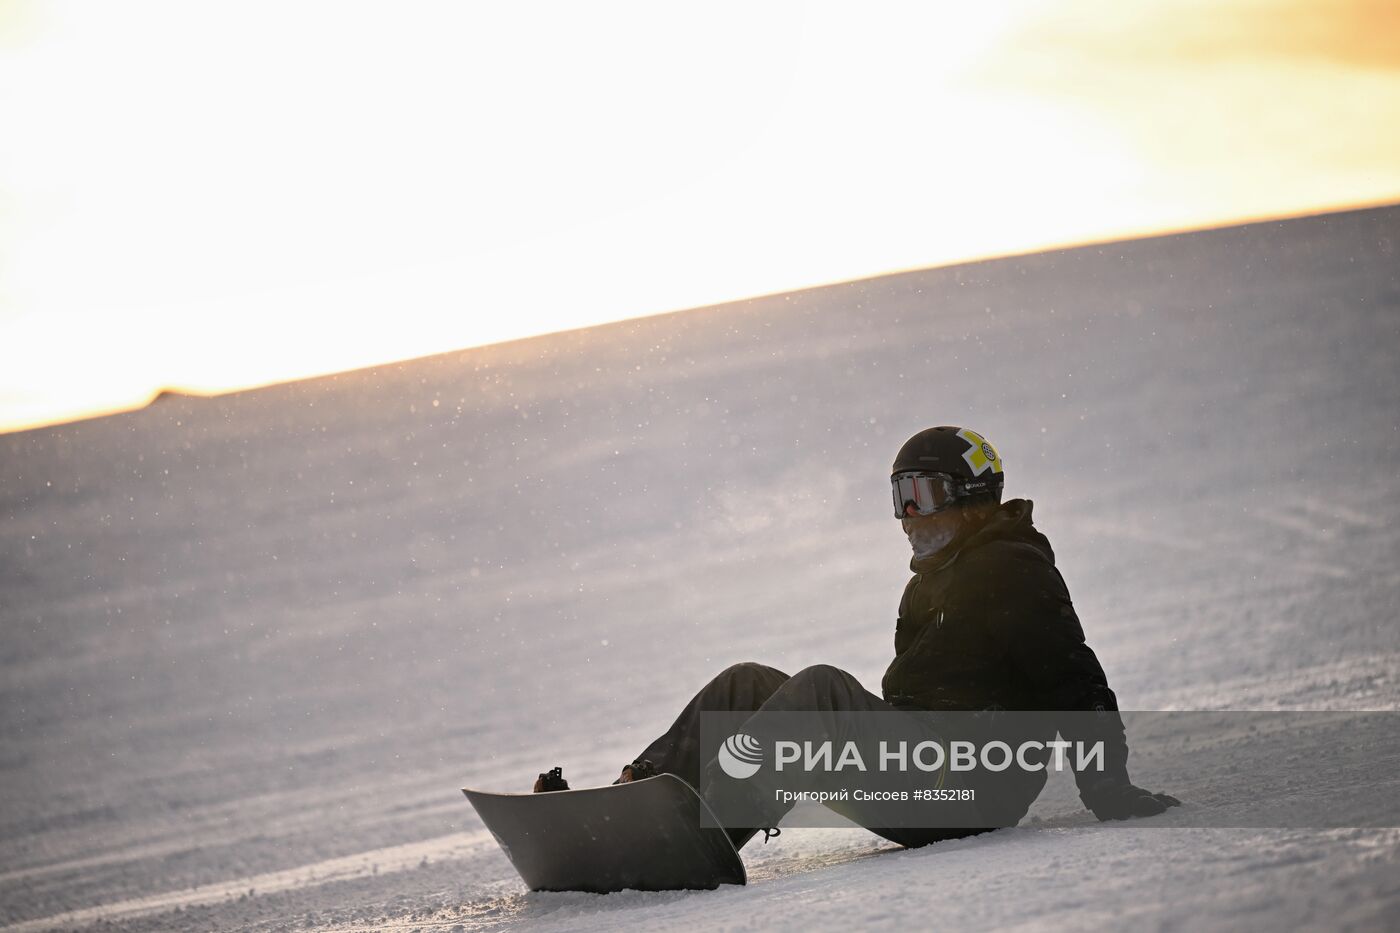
point(1120, 800)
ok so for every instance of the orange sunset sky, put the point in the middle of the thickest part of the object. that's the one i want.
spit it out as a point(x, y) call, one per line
point(212, 195)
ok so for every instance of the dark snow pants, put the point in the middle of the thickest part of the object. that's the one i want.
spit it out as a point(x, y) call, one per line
point(756, 687)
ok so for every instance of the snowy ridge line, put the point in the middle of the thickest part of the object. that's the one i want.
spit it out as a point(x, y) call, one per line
point(165, 844)
point(387, 860)
point(155, 850)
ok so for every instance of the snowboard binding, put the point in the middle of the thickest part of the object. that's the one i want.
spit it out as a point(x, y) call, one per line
point(551, 780)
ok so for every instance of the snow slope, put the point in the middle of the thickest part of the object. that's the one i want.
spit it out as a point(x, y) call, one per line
point(253, 645)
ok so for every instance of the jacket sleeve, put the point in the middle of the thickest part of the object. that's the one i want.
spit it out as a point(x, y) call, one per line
point(1024, 604)
point(904, 629)
point(906, 632)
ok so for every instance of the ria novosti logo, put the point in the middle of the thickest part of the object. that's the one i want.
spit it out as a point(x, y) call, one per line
point(740, 756)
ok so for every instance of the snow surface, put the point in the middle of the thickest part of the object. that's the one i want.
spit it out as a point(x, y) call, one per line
point(253, 645)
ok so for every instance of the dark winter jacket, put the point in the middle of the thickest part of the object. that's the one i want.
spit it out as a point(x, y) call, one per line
point(988, 624)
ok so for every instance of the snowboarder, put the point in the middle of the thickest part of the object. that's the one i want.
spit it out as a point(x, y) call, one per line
point(986, 623)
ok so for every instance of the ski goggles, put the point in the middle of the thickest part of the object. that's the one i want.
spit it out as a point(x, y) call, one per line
point(926, 492)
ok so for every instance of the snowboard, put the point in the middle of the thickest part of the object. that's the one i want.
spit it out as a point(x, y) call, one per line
point(645, 835)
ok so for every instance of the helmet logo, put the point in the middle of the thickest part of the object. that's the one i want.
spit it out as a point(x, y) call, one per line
point(980, 455)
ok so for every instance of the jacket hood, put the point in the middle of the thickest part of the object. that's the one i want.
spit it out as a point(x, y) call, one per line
point(1010, 522)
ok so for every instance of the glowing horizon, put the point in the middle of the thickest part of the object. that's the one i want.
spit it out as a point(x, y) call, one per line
point(228, 205)
point(372, 359)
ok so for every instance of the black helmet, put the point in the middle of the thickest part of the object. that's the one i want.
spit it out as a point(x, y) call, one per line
point(962, 465)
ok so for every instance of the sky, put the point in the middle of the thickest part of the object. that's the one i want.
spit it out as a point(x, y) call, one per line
point(211, 196)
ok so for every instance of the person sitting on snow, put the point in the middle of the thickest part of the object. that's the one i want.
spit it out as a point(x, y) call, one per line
point(986, 623)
